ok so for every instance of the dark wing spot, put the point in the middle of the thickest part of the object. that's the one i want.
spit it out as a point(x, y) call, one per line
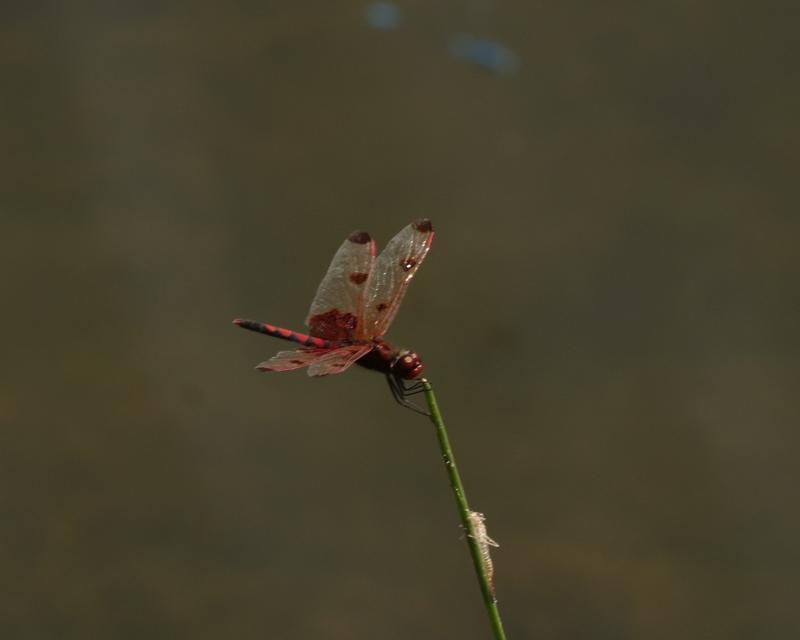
point(265, 368)
point(333, 325)
point(359, 237)
point(296, 361)
point(382, 307)
point(358, 277)
point(406, 264)
point(423, 225)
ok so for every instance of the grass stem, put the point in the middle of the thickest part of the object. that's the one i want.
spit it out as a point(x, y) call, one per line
point(473, 541)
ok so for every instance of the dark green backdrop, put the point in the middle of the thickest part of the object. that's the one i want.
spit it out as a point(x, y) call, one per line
point(609, 314)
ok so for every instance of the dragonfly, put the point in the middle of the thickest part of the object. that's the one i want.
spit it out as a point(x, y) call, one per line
point(355, 304)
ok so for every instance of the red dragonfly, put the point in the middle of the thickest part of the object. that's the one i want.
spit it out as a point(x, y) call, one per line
point(355, 303)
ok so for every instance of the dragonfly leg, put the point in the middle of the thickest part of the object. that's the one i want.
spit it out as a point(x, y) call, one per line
point(400, 393)
point(413, 388)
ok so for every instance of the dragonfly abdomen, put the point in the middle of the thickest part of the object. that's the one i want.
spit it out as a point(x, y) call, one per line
point(285, 334)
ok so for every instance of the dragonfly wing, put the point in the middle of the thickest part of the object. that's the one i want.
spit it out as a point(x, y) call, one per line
point(338, 307)
point(338, 360)
point(390, 275)
point(288, 360)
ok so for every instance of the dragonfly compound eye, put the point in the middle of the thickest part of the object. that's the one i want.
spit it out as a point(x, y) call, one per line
point(408, 366)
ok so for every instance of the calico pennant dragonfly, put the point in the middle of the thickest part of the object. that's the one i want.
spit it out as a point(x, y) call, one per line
point(355, 303)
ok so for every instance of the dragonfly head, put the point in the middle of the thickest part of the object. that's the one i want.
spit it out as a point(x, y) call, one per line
point(408, 365)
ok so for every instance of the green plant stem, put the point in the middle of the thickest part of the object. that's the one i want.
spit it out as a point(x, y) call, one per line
point(463, 510)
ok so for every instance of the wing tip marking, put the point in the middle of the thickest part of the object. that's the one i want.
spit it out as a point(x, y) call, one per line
point(423, 225)
point(359, 237)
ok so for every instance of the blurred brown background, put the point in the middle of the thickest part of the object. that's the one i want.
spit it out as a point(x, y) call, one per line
point(609, 314)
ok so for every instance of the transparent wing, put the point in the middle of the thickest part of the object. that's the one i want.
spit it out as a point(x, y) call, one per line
point(338, 307)
point(288, 360)
point(338, 360)
point(390, 275)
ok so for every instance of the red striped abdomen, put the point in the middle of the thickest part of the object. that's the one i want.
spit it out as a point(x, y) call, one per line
point(286, 334)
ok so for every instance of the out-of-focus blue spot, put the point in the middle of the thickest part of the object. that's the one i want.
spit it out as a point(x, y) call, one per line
point(488, 54)
point(383, 15)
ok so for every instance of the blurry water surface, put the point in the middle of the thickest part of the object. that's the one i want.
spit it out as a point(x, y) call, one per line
point(609, 314)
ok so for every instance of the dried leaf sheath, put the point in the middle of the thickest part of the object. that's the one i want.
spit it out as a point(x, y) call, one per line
point(477, 526)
